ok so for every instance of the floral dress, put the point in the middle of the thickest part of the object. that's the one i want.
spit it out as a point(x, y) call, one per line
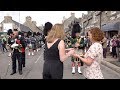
point(93, 71)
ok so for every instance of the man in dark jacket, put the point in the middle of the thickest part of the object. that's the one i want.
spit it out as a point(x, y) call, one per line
point(17, 52)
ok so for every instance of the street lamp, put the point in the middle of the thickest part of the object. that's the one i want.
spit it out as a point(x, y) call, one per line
point(0, 26)
point(100, 18)
point(19, 19)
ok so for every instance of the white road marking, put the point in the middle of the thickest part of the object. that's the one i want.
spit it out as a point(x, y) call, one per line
point(39, 58)
point(32, 66)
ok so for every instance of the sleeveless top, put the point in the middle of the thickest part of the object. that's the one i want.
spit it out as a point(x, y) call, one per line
point(52, 54)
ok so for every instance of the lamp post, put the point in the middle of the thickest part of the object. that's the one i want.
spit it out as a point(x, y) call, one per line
point(19, 20)
point(100, 18)
point(83, 29)
point(0, 26)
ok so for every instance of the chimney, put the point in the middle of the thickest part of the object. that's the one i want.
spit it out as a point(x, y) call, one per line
point(7, 18)
point(73, 14)
point(34, 22)
point(28, 19)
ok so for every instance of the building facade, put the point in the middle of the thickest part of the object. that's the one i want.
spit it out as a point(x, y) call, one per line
point(102, 19)
point(32, 24)
point(69, 22)
point(9, 23)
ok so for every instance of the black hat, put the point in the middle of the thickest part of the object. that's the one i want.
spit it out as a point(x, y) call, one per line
point(76, 29)
point(9, 32)
point(47, 27)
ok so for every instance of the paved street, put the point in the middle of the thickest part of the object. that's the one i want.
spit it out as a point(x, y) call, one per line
point(34, 66)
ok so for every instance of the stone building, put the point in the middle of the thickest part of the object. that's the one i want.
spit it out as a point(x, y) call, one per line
point(14, 25)
point(68, 22)
point(108, 21)
point(32, 25)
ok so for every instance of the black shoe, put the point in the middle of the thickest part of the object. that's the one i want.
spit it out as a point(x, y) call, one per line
point(73, 73)
point(20, 72)
point(12, 73)
point(23, 65)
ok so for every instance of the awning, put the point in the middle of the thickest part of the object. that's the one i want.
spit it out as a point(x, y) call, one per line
point(114, 26)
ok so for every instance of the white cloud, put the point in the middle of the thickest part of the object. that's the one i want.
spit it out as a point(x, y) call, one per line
point(40, 16)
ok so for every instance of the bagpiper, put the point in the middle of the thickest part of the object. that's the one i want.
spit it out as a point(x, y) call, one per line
point(75, 42)
point(17, 53)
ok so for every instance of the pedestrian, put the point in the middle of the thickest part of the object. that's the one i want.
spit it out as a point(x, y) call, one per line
point(39, 38)
point(77, 42)
point(31, 44)
point(104, 45)
point(4, 43)
point(10, 41)
point(111, 46)
point(35, 43)
point(54, 53)
point(22, 39)
point(94, 55)
point(17, 53)
point(118, 47)
point(0, 44)
point(114, 46)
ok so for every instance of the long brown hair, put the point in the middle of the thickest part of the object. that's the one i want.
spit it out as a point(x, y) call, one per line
point(57, 31)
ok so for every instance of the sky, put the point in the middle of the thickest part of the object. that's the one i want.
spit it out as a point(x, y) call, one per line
point(40, 16)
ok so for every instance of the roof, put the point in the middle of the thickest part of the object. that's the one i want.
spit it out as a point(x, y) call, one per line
point(114, 26)
point(71, 18)
point(22, 27)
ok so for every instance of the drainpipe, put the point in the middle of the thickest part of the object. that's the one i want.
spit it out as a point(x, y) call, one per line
point(100, 18)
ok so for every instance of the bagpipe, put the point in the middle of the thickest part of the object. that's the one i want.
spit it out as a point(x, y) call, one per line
point(68, 42)
point(78, 51)
point(17, 45)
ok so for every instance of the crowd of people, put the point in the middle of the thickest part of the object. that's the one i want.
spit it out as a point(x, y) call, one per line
point(87, 51)
point(111, 47)
point(16, 43)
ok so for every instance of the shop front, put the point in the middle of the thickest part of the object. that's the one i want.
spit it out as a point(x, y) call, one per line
point(111, 29)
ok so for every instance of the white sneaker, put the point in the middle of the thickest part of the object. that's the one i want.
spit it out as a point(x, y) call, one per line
point(9, 54)
point(73, 70)
point(29, 53)
point(79, 71)
point(32, 53)
point(37, 50)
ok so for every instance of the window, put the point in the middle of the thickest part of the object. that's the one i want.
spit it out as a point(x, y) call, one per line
point(95, 19)
point(106, 12)
point(118, 15)
point(112, 18)
point(113, 12)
